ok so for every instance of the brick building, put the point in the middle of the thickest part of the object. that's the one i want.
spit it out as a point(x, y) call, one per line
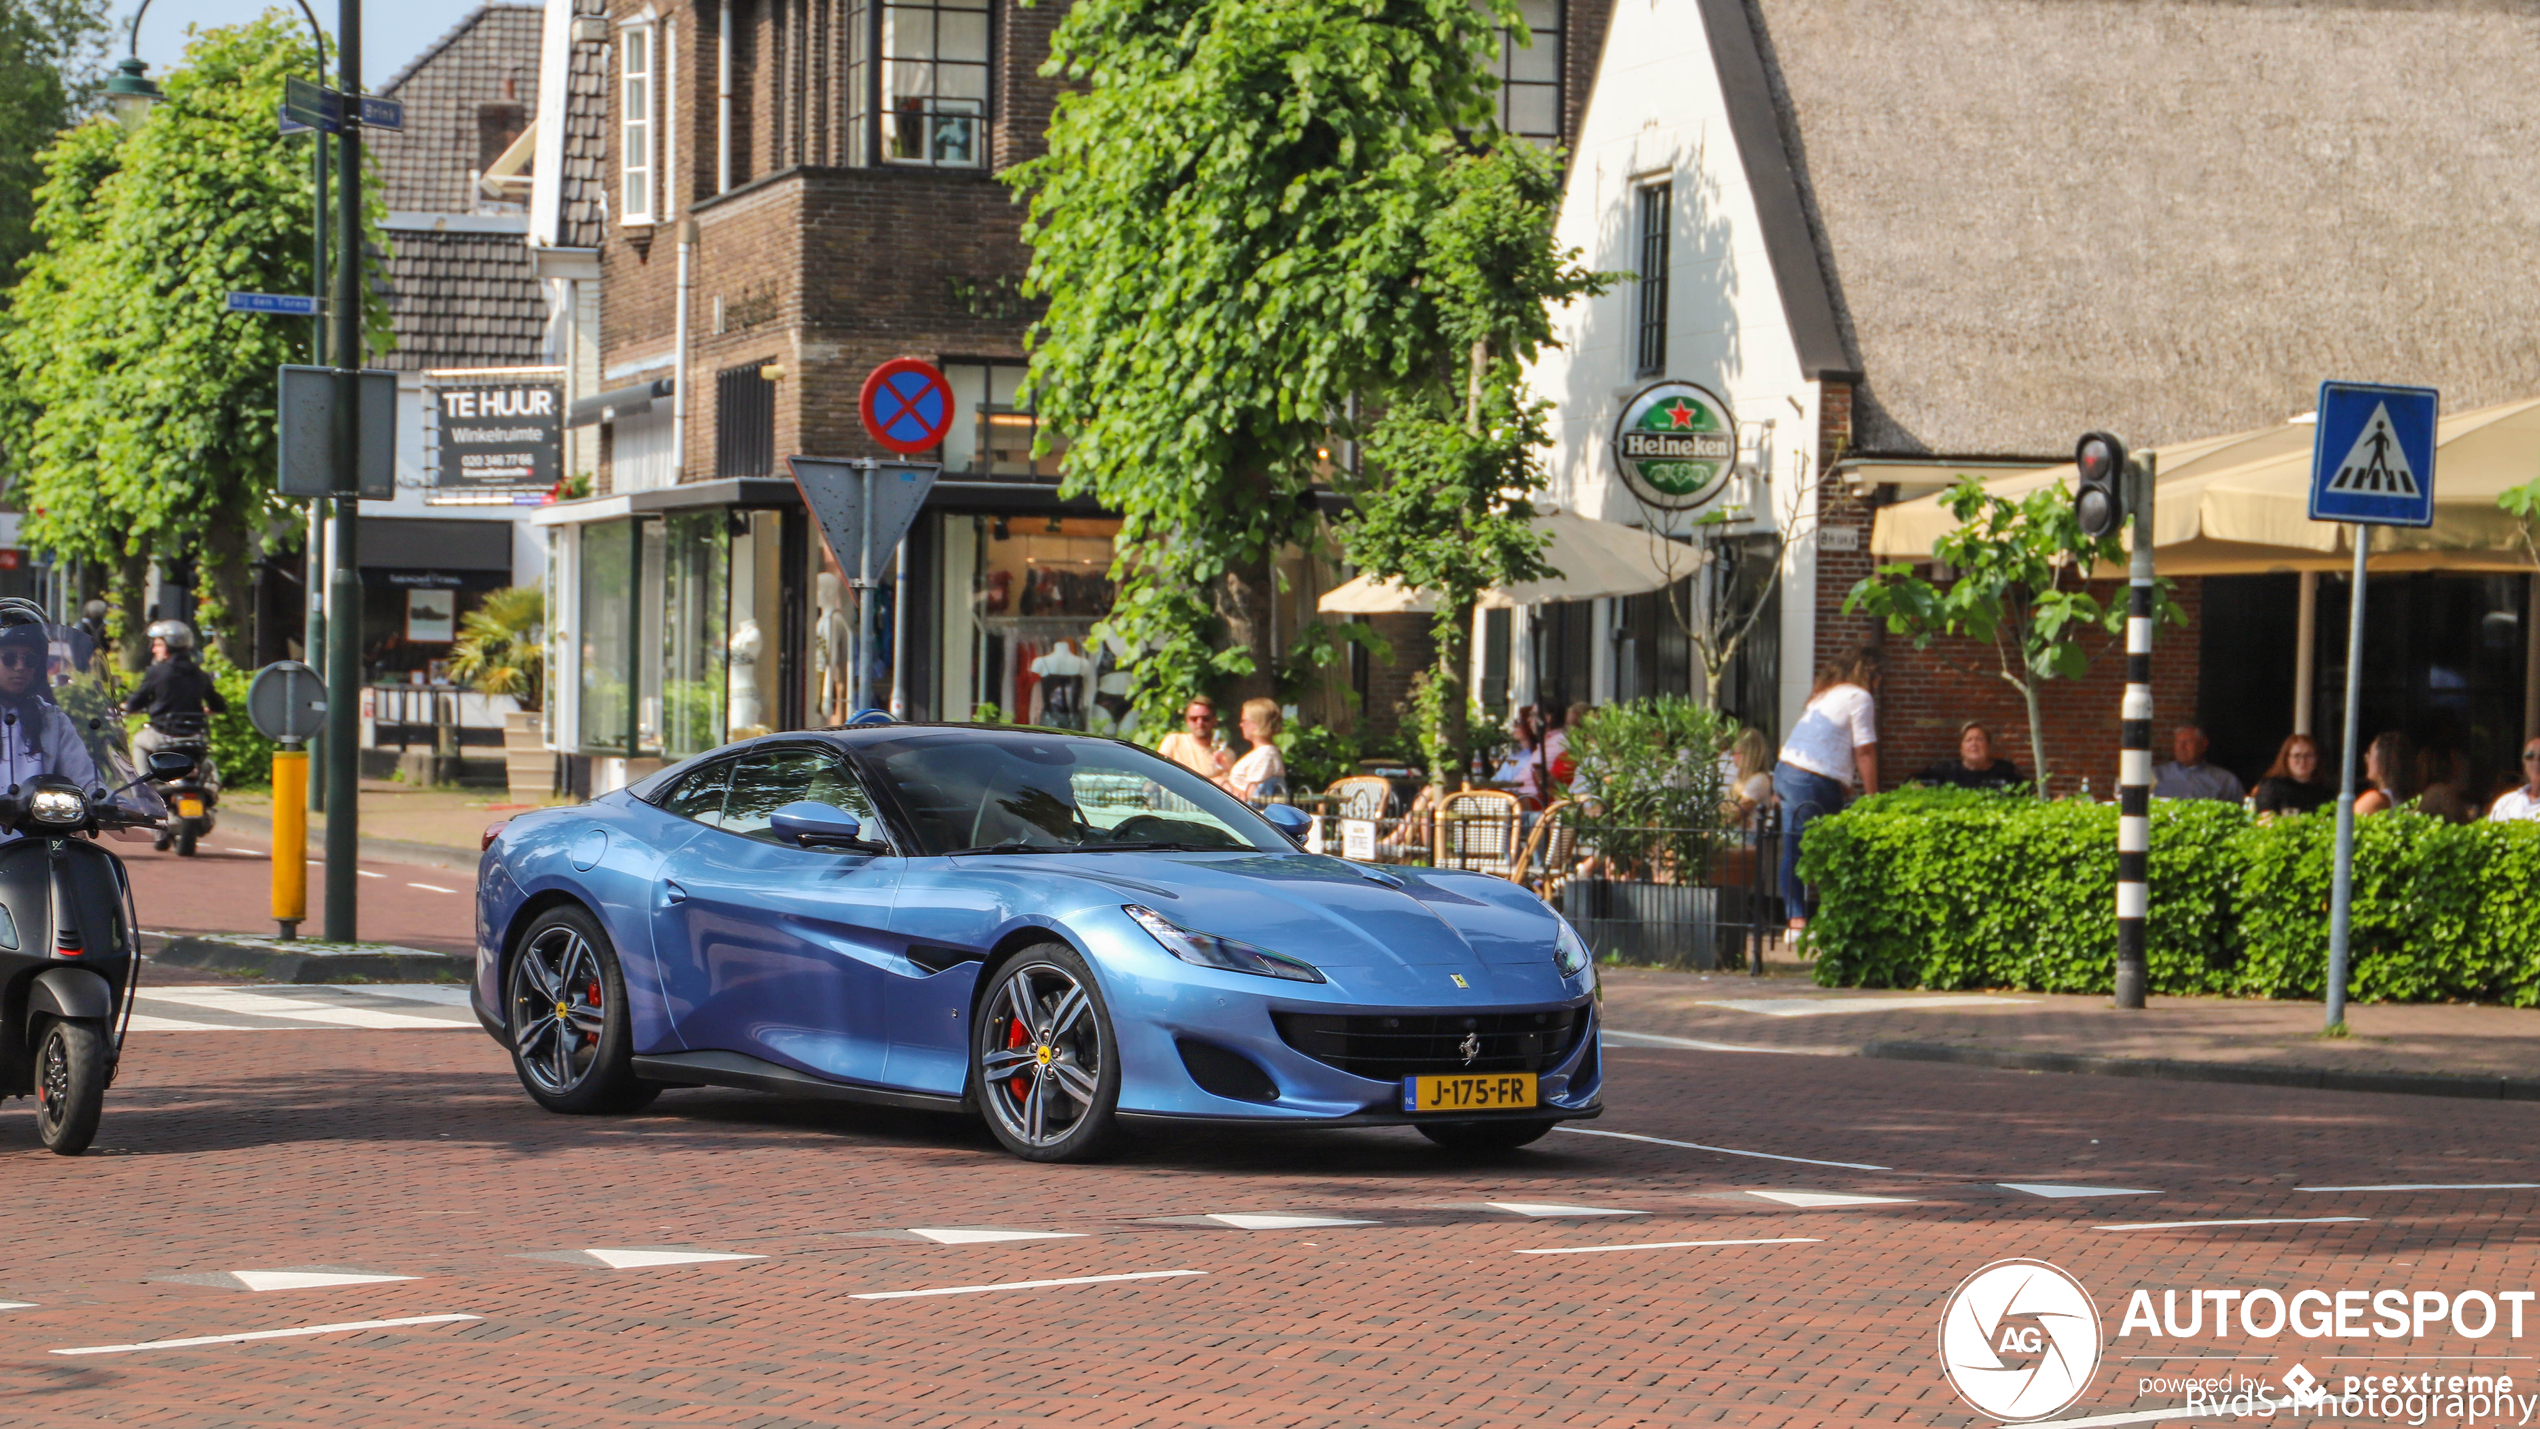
point(1955, 248)
point(786, 195)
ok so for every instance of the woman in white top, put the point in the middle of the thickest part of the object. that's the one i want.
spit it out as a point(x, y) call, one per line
point(1260, 774)
point(1835, 742)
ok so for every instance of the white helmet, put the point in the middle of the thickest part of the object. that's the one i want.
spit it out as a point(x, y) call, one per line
point(178, 634)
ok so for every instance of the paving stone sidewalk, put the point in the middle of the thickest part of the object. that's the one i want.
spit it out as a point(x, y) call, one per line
point(1786, 1012)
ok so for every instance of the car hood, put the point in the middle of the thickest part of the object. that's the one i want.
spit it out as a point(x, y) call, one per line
point(1331, 913)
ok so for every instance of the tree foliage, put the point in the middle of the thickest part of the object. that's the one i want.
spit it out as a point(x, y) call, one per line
point(50, 54)
point(2015, 586)
point(136, 414)
point(1228, 227)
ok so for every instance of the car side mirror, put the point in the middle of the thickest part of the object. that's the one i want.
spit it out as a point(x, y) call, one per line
point(812, 824)
point(1289, 819)
point(171, 763)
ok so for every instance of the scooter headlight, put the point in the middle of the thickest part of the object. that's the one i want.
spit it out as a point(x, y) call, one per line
point(57, 806)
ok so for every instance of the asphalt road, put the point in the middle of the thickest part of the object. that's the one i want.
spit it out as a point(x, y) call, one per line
point(1778, 1249)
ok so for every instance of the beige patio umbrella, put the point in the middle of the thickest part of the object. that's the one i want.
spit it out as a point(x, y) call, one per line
point(1595, 558)
point(2240, 504)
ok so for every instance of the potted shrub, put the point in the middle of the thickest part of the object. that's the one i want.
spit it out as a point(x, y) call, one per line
point(502, 650)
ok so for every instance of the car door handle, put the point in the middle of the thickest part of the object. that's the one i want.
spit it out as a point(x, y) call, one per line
point(672, 892)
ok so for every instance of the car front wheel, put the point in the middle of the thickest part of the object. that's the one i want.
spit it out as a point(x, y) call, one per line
point(1044, 1066)
point(572, 1042)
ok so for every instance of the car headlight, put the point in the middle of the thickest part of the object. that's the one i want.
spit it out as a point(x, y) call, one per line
point(57, 806)
point(1210, 951)
point(1569, 950)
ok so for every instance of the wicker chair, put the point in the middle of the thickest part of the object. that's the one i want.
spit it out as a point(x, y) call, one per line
point(1551, 853)
point(1361, 796)
point(1478, 829)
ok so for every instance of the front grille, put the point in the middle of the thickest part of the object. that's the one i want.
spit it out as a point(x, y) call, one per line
point(1388, 1048)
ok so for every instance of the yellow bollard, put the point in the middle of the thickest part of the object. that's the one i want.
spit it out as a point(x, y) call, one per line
point(290, 839)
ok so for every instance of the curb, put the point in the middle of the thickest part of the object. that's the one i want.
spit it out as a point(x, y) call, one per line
point(457, 860)
point(2168, 1069)
point(307, 960)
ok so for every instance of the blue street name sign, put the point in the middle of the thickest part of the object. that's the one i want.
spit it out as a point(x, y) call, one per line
point(289, 124)
point(2372, 461)
point(378, 113)
point(313, 106)
point(298, 305)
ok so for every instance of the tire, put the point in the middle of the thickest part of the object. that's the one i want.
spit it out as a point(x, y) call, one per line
point(70, 1085)
point(1044, 1065)
point(565, 1010)
point(185, 840)
point(1474, 1138)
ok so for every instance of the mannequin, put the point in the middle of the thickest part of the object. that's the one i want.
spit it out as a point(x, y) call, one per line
point(830, 637)
point(748, 714)
point(1058, 701)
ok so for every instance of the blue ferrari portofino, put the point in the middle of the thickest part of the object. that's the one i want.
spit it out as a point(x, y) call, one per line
point(1059, 933)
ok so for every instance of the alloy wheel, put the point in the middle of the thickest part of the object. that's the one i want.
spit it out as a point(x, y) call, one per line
point(558, 1009)
point(1040, 1063)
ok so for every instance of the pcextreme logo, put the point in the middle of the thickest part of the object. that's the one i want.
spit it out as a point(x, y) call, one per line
point(2019, 1340)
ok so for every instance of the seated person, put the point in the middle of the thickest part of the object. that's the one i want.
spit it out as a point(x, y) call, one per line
point(1975, 767)
point(2188, 776)
point(36, 736)
point(2294, 783)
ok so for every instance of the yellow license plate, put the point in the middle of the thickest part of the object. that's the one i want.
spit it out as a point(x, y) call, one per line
point(1498, 1091)
point(190, 808)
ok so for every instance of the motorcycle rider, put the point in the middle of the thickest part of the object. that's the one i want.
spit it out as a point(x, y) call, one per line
point(174, 684)
point(36, 735)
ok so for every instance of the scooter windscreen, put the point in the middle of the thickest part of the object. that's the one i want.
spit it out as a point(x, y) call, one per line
point(60, 713)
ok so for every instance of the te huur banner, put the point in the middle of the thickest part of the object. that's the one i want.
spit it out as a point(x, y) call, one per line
point(508, 434)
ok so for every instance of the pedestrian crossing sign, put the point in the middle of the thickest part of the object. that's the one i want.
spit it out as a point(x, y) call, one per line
point(2372, 461)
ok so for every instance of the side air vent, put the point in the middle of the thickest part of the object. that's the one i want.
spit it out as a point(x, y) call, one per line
point(1227, 1074)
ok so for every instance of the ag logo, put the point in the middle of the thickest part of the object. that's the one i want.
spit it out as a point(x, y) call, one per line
point(2019, 1339)
point(1676, 444)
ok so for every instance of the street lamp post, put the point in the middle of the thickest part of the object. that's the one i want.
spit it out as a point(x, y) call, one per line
point(344, 638)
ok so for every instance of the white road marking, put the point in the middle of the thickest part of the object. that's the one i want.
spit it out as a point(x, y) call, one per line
point(2111, 1421)
point(262, 1004)
point(250, 852)
point(1024, 1285)
point(1819, 1200)
point(144, 1022)
point(17, 1304)
point(978, 1235)
point(1722, 1150)
point(1538, 1208)
point(1694, 1045)
point(366, 873)
point(1823, 1006)
point(2268, 1221)
point(263, 1280)
point(1669, 1245)
point(1247, 1221)
point(646, 1259)
point(343, 1329)
point(2436, 1186)
point(2054, 1192)
point(432, 888)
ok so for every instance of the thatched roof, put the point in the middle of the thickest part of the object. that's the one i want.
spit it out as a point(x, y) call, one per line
point(2169, 218)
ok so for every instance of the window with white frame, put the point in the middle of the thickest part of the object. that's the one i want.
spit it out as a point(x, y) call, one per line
point(1529, 73)
point(926, 81)
point(635, 122)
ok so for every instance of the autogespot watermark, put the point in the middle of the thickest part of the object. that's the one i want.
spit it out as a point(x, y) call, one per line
point(2021, 1341)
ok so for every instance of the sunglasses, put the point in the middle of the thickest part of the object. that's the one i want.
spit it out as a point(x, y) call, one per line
point(20, 660)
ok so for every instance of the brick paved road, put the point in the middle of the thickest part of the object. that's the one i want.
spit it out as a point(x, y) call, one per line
point(412, 1153)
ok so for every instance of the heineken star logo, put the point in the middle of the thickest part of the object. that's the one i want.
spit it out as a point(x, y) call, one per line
point(1680, 414)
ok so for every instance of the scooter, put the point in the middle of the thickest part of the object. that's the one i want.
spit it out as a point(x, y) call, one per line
point(68, 961)
point(192, 797)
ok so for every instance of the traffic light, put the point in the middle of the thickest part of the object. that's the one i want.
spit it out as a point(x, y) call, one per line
point(2098, 499)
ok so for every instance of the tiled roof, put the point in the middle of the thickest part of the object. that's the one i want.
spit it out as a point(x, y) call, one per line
point(457, 88)
point(464, 300)
point(585, 199)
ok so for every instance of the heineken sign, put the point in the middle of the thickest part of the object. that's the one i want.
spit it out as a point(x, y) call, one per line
point(1676, 445)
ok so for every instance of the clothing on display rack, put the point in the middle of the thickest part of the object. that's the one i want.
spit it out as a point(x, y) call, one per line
point(1060, 694)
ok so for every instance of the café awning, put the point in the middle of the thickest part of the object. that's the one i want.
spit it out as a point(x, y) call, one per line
point(1595, 558)
point(2240, 504)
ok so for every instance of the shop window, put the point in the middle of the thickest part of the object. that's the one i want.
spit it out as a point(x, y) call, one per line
point(744, 422)
point(992, 431)
point(685, 687)
point(607, 604)
point(1039, 584)
point(635, 123)
point(1529, 73)
point(926, 99)
point(1651, 290)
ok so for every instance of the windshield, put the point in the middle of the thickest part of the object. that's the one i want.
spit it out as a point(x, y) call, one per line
point(979, 791)
point(59, 714)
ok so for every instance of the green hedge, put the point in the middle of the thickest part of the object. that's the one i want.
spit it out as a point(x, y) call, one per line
point(1953, 889)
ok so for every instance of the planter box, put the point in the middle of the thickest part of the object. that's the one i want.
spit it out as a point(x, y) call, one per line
point(529, 766)
point(1662, 924)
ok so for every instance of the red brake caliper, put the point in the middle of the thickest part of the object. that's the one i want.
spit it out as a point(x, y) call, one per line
point(595, 1002)
point(1016, 1036)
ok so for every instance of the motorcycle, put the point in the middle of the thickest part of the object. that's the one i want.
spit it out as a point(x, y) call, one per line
point(69, 956)
point(192, 796)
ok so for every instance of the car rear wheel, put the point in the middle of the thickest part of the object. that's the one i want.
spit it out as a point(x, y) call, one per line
point(1044, 1067)
point(1483, 1137)
point(572, 1042)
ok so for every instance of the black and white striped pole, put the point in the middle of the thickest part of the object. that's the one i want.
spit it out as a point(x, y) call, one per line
point(2112, 488)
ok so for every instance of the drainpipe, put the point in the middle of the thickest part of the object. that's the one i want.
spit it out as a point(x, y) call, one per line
point(679, 361)
point(723, 97)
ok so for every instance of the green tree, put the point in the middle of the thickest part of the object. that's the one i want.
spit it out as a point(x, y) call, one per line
point(50, 55)
point(136, 414)
point(2015, 586)
point(1228, 226)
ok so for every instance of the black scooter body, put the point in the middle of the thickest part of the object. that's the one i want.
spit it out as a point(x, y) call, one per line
point(69, 906)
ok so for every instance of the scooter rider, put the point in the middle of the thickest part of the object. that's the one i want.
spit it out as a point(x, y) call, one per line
point(174, 684)
point(36, 735)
